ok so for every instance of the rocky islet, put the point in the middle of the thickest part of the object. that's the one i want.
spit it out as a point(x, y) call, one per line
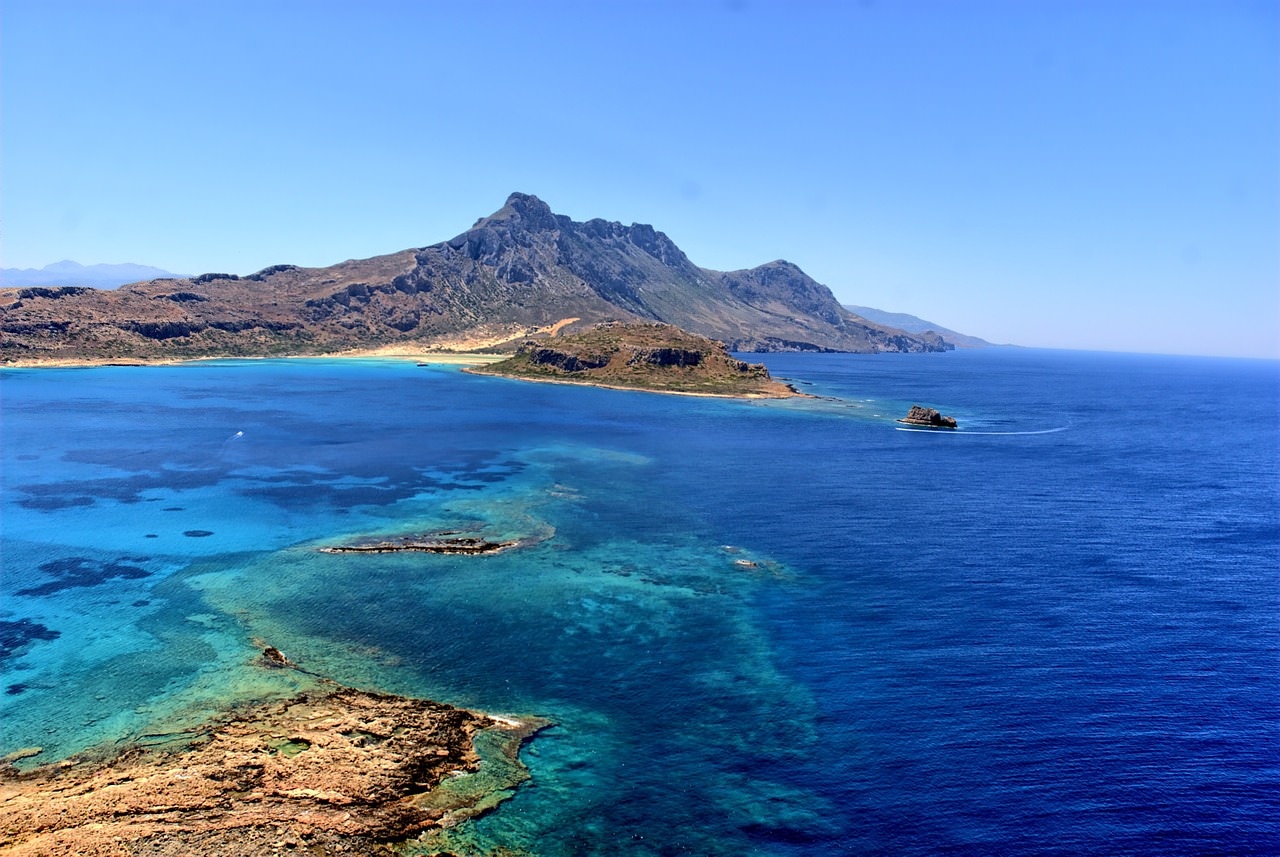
point(927, 418)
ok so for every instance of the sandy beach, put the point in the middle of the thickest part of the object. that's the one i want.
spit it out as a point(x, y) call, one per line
point(444, 358)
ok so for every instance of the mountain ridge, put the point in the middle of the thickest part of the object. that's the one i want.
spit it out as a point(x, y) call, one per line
point(915, 324)
point(513, 274)
point(72, 273)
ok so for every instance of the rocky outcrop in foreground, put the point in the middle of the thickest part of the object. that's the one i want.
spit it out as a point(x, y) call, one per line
point(927, 417)
point(338, 772)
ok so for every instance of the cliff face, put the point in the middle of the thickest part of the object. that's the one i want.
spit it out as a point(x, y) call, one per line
point(518, 271)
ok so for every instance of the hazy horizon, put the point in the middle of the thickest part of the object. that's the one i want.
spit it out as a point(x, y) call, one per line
point(1061, 175)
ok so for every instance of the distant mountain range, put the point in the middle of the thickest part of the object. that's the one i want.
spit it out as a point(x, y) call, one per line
point(522, 271)
point(914, 324)
point(68, 273)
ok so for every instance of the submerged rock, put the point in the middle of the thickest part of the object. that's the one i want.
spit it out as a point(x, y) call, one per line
point(273, 657)
point(18, 755)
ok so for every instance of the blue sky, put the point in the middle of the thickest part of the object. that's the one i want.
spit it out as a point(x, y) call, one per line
point(1080, 174)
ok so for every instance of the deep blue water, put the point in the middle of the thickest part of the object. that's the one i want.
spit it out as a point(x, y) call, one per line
point(761, 628)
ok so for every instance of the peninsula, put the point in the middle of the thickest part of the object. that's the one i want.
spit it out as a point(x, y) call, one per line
point(652, 357)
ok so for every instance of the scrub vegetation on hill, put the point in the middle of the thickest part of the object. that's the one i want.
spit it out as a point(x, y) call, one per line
point(657, 357)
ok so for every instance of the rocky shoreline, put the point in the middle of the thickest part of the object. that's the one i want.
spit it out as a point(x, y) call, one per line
point(331, 771)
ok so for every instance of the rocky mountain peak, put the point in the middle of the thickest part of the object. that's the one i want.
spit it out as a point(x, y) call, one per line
point(784, 265)
point(526, 204)
point(523, 223)
point(521, 211)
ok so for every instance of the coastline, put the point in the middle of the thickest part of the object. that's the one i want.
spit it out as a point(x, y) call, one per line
point(471, 362)
point(447, 358)
point(792, 394)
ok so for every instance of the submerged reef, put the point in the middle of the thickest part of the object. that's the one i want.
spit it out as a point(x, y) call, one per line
point(77, 571)
point(15, 636)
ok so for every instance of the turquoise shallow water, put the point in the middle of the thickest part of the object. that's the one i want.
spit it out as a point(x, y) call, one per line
point(768, 628)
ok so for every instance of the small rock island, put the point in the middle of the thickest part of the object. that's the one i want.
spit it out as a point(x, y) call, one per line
point(464, 545)
point(927, 418)
point(654, 357)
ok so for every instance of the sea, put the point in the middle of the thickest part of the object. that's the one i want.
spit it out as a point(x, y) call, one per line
point(774, 628)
